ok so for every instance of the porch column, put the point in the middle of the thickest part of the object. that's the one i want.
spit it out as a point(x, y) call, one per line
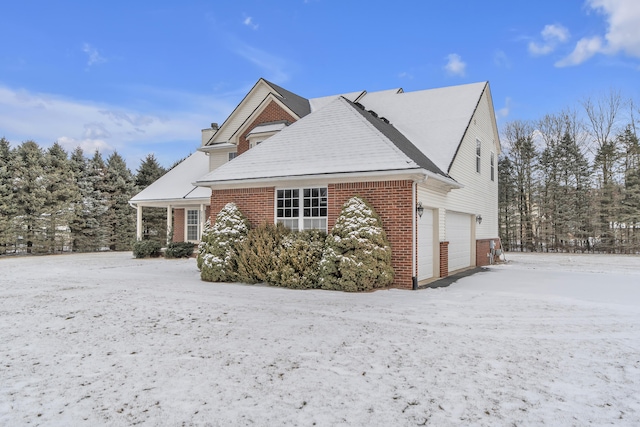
point(169, 223)
point(139, 223)
point(201, 217)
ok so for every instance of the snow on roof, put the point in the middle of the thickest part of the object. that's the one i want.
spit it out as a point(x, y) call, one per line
point(434, 120)
point(318, 103)
point(176, 184)
point(334, 139)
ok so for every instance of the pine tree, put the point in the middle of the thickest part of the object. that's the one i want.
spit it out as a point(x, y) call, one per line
point(87, 208)
point(218, 249)
point(523, 155)
point(7, 203)
point(62, 195)
point(507, 206)
point(630, 203)
point(154, 220)
point(120, 217)
point(30, 195)
point(96, 203)
point(357, 255)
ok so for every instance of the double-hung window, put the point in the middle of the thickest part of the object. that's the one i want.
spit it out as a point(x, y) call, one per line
point(493, 166)
point(193, 224)
point(302, 208)
point(478, 155)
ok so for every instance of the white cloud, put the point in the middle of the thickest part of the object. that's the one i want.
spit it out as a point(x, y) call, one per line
point(276, 68)
point(455, 66)
point(552, 36)
point(248, 21)
point(46, 118)
point(93, 55)
point(504, 111)
point(622, 35)
point(585, 49)
point(500, 59)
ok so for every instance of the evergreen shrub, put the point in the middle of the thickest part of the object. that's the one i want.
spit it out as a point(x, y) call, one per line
point(218, 249)
point(357, 255)
point(255, 253)
point(146, 248)
point(179, 250)
point(296, 260)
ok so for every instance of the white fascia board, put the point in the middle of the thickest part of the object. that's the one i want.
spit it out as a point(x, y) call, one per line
point(219, 146)
point(334, 178)
point(270, 97)
point(163, 203)
point(443, 181)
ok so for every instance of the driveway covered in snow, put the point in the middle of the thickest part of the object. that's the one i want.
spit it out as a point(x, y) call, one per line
point(97, 339)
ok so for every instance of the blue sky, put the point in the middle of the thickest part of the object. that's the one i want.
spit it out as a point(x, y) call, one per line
point(145, 77)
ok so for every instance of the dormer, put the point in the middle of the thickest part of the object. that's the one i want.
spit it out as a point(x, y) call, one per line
point(264, 131)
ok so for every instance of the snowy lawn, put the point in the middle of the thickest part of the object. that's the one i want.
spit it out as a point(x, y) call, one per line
point(105, 339)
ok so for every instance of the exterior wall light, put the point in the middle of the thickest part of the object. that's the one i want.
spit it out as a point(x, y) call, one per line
point(419, 209)
point(479, 219)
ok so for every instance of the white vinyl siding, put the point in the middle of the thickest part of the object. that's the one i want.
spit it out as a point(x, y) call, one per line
point(479, 195)
point(425, 245)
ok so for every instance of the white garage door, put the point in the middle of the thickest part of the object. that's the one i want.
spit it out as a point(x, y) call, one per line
point(425, 245)
point(458, 231)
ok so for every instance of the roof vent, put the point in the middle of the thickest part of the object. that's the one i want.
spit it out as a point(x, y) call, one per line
point(360, 106)
point(384, 119)
point(373, 113)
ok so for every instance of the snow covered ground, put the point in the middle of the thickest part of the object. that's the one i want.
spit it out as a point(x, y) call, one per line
point(105, 339)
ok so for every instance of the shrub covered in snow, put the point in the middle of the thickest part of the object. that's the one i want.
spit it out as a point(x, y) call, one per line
point(296, 260)
point(255, 253)
point(218, 256)
point(357, 255)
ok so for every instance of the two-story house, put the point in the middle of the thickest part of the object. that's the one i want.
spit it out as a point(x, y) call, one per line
point(425, 160)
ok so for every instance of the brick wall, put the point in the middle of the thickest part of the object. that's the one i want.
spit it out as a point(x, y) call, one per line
point(482, 250)
point(393, 202)
point(178, 225)
point(444, 259)
point(272, 113)
point(255, 203)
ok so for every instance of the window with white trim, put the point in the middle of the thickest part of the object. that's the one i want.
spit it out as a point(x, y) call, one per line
point(193, 224)
point(493, 166)
point(233, 155)
point(302, 208)
point(478, 155)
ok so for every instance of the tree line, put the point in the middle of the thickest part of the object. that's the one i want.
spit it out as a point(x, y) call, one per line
point(52, 201)
point(570, 182)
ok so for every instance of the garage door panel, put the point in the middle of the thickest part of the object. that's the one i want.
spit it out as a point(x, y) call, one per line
point(458, 231)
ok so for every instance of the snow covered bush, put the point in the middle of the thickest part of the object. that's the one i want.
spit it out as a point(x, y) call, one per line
point(357, 255)
point(255, 253)
point(296, 260)
point(218, 256)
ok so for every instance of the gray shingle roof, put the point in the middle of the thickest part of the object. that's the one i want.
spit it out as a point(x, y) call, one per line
point(400, 141)
point(296, 103)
